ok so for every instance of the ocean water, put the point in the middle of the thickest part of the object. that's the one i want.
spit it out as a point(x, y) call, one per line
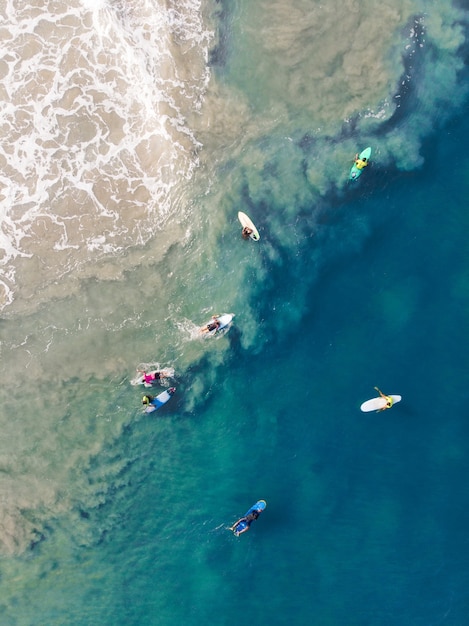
point(132, 134)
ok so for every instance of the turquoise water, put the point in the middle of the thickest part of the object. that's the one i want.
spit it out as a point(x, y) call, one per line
point(111, 517)
point(366, 520)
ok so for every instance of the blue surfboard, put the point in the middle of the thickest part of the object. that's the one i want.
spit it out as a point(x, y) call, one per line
point(160, 399)
point(355, 172)
point(242, 525)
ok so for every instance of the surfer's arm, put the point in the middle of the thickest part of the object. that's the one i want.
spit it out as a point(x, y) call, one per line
point(236, 523)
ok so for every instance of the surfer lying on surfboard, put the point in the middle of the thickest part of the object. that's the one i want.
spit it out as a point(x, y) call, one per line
point(152, 404)
point(151, 377)
point(244, 523)
point(389, 400)
point(249, 230)
point(360, 164)
point(219, 324)
point(215, 325)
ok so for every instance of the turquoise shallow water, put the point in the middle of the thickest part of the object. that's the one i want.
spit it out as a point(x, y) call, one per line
point(112, 517)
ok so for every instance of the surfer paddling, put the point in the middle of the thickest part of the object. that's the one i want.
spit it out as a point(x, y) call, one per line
point(389, 400)
point(360, 164)
point(249, 231)
point(246, 232)
point(151, 377)
point(215, 325)
point(245, 522)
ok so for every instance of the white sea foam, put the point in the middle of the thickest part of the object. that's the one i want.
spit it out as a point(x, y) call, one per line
point(94, 108)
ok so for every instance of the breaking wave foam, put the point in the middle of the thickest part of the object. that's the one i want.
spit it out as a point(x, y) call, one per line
point(94, 103)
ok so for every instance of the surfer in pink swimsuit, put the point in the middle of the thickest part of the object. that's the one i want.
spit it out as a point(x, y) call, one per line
point(152, 377)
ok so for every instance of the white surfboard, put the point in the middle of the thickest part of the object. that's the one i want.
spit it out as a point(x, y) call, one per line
point(246, 221)
point(375, 404)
